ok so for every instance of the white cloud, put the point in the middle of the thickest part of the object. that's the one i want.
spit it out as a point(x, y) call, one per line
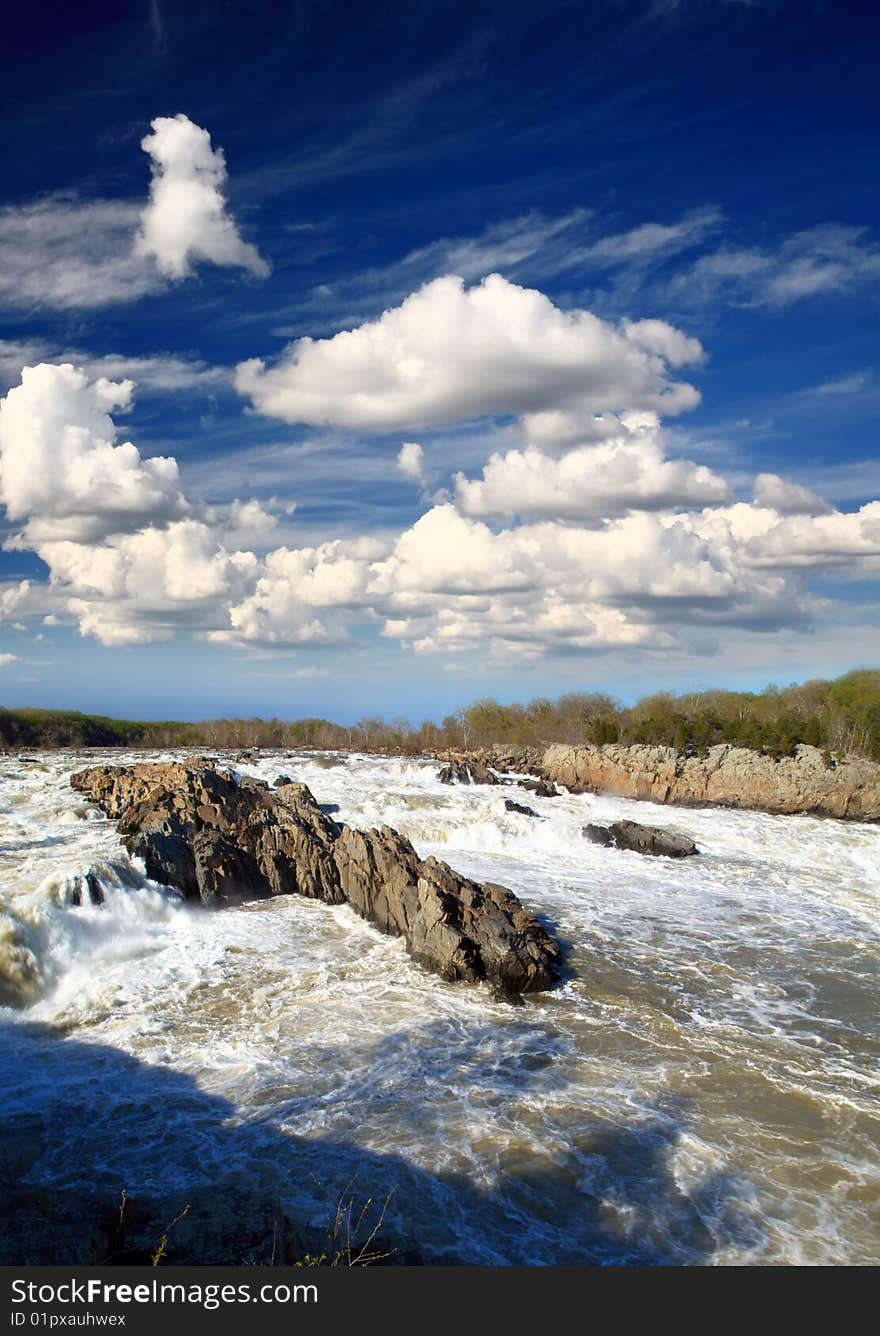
point(659, 583)
point(127, 555)
point(60, 471)
point(411, 460)
point(161, 372)
point(828, 259)
point(649, 243)
point(453, 583)
point(606, 545)
point(849, 541)
point(12, 596)
point(843, 385)
point(789, 498)
point(6, 659)
point(449, 353)
point(590, 483)
point(305, 595)
point(186, 218)
point(68, 253)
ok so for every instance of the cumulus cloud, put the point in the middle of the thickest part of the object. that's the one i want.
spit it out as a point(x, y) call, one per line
point(450, 353)
point(411, 460)
point(657, 582)
point(590, 483)
point(186, 218)
point(7, 659)
point(68, 253)
point(127, 556)
point(829, 541)
point(789, 498)
point(305, 595)
point(453, 583)
point(599, 542)
point(60, 469)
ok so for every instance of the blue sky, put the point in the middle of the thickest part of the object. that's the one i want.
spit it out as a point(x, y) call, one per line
point(385, 357)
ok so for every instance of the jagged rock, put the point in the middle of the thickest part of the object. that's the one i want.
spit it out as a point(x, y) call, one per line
point(724, 776)
point(281, 780)
point(523, 810)
point(225, 874)
point(468, 770)
point(219, 841)
point(464, 766)
point(641, 839)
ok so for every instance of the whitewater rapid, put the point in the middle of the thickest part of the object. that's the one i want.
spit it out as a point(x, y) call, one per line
point(702, 1089)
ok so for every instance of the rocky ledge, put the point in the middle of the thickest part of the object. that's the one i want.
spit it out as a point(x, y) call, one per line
point(724, 776)
point(220, 841)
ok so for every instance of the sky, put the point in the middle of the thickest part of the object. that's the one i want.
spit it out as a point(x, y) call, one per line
point(372, 359)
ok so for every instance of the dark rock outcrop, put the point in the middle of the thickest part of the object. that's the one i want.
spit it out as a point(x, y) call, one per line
point(523, 810)
point(85, 889)
point(641, 839)
point(541, 788)
point(469, 770)
point(464, 765)
point(220, 842)
point(598, 835)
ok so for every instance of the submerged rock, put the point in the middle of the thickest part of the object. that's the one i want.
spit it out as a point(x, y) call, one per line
point(220, 842)
point(641, 839)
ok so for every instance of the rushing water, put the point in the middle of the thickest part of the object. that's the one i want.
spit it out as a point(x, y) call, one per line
point(702, 1089)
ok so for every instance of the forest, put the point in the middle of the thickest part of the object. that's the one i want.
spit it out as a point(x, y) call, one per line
point(841, 716)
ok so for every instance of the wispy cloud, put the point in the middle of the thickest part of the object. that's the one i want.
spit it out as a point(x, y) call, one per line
point(69, 253)
point(502, 247)
point(831, 259)
point(161, 372)
point(381, 134)
point(845, 386)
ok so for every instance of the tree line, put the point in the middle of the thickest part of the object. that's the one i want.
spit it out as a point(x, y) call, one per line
point(840, 716)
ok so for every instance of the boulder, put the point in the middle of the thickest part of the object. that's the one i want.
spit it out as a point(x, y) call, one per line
point(641, 839)
point(598, 835)
point(521, 808)
point(219, 842)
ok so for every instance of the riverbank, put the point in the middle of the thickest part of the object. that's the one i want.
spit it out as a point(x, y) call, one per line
point(723, 776)
point(809, 781)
